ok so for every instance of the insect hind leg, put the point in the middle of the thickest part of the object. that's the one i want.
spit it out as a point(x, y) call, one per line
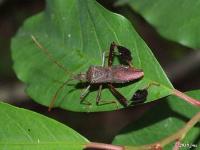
point(100, 102)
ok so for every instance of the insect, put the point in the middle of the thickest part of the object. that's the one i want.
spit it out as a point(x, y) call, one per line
point(104, 74)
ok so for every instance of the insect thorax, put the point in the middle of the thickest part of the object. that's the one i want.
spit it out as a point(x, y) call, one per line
point(98, 74)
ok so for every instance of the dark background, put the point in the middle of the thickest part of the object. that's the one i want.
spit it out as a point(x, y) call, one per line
point(180, 63)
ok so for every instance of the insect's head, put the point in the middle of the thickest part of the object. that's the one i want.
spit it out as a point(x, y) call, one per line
point(81, 77)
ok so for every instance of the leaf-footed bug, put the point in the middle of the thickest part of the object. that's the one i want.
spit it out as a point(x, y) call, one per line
point(101, 74)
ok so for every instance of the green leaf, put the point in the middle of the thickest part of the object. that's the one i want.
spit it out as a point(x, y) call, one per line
point(164, 119)
point(76, 32)
point(24, 129)
point(178, 20)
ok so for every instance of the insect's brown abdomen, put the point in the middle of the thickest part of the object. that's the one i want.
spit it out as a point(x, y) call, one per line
point(114, 74)
point(123, 74)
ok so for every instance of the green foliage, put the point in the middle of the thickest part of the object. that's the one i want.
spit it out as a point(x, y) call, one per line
point(175, 20)
point(23, 129)
point(76, 33)
point(164, 119)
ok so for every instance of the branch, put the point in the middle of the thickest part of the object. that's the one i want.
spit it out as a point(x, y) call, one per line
point(179, 135)
point(103, 146)
point(182, 132)
point(185, 97)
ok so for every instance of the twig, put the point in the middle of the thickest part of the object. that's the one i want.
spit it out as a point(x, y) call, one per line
point(186, 97)
point(104, 146)
point(182, 132)
point(177, 145)
point(179, 135)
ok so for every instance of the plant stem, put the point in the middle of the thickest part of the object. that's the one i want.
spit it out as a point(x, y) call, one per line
point(185, 97)
point(103, 146)
point(182, 132)
point(179, 135)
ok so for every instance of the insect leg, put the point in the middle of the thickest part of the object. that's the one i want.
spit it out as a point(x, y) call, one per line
point(151, 84)
point(111, 54)
point(118, 95)
point(83, 94)
point(98, 98)
point(103, 59)
point(103, 102)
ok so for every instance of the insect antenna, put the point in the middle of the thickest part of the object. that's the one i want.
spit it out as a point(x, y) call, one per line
point(56, 94)
point(50, 56)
